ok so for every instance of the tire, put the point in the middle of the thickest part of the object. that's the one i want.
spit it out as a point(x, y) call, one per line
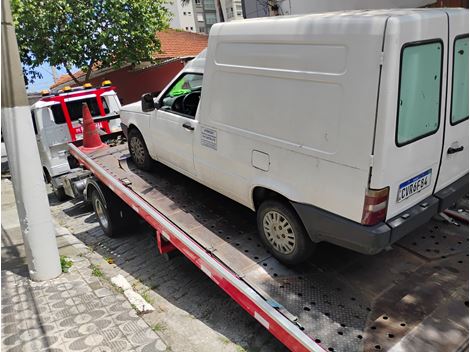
point(138, 150)
point(283, 233)
point(47, 178)
point(60, 194)
point(114, 216)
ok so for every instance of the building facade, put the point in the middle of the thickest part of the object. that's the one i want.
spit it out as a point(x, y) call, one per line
point(211, 15)
point(231, 10)
point(198, 16)
point(183, 15)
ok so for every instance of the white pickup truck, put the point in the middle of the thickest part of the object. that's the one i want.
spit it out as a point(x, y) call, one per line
point(346, 127)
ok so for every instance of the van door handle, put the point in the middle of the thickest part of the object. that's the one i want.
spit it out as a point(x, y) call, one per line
point(454, 150)
point(188, 126)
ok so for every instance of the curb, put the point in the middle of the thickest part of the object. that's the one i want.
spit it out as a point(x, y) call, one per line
point(110, 274)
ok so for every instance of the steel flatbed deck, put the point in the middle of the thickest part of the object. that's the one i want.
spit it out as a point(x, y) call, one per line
point(413, 297)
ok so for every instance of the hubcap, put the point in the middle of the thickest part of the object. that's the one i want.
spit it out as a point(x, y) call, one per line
point(100, 212)
point(137, 150)
point(279, 232)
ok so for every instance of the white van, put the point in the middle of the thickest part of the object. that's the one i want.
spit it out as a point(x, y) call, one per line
point(345, 127)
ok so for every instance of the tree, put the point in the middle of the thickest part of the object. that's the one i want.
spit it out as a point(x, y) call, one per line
point(90, 34)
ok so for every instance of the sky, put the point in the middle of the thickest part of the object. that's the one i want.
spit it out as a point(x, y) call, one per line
point(46, 81)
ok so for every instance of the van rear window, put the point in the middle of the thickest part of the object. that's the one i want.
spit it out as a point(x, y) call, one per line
point(459, 108)
point(419, 93)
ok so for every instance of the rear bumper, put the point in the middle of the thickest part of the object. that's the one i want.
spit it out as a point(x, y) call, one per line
point(325, 226)
point(452, 193)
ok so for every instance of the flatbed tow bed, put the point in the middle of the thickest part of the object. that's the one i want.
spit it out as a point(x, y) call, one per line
point(411, 298)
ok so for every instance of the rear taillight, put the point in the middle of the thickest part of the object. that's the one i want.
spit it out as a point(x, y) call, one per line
point(375, 206)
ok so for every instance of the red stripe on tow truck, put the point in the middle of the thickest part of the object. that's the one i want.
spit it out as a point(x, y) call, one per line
point(73, 135)
point(61, 99)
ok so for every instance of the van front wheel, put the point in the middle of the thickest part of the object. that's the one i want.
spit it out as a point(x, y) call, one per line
point(138, 150)
point(283, 233)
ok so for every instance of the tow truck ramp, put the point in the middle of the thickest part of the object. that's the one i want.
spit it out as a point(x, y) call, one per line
point(413, 297)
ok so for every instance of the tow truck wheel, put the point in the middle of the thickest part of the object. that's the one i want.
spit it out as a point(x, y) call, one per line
point(47, 178)
point(114, 216)
point(283, 233)
point(138, 150)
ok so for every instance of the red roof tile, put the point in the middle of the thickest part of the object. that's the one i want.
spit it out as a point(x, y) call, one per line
point(180, 44)
point(66, 78)
point(173, 44)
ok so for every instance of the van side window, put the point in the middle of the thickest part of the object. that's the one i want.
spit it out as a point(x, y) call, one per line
point(459, 107)
point(183, 96)
point(419, 92)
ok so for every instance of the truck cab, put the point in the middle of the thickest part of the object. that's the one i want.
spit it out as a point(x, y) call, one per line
point(57, 121)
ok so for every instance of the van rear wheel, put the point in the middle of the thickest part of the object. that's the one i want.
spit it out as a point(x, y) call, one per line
point(282, 231)
point(138, 150)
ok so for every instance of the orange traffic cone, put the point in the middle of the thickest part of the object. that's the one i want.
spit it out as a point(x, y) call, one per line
point(91, 137)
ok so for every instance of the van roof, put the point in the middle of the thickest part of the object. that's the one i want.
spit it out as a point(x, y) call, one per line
point(367, 20)
point(354, 13)
point(197, 64)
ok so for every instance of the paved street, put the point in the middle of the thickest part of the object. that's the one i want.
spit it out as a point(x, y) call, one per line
point(78, 311)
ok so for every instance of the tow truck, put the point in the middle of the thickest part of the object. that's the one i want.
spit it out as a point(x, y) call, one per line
point(412, 297)
point(57, 120)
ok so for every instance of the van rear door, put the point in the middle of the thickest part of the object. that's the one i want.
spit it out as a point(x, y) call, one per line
point(411, 108)
point(454, 163)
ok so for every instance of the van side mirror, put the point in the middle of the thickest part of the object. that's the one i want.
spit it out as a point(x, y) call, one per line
point(158, 104)
point(147, 102)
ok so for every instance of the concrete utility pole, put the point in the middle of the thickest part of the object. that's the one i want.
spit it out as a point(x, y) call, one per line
point(23, 157)
point(54, 73)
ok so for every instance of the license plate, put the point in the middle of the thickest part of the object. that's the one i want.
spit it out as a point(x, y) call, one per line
point(414, 185)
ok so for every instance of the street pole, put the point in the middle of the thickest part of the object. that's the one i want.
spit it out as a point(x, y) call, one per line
point(23, 157)
point(54, 73)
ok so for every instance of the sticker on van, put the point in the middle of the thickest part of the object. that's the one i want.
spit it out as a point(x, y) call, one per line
point(209, 138)
point(414, 185)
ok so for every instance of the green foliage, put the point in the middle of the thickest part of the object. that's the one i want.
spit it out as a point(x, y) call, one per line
point(65, 263)
point(145, 295)
point(159, 327)
point(88, 33)
point(96, 270)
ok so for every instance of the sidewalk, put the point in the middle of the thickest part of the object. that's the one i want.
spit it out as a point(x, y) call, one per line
point(78, 311)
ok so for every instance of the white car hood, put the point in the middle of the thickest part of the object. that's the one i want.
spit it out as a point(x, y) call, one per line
point(134, 107)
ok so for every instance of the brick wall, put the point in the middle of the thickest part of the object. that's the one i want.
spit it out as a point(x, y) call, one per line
point(130, 85)
point(451, 3)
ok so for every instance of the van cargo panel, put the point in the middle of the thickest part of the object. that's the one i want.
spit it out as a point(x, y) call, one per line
point(302, 89)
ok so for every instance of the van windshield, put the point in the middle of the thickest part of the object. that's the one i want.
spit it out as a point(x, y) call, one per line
point(183, 96)
point(459, 108)
point(419, 91)
point(75, 109)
